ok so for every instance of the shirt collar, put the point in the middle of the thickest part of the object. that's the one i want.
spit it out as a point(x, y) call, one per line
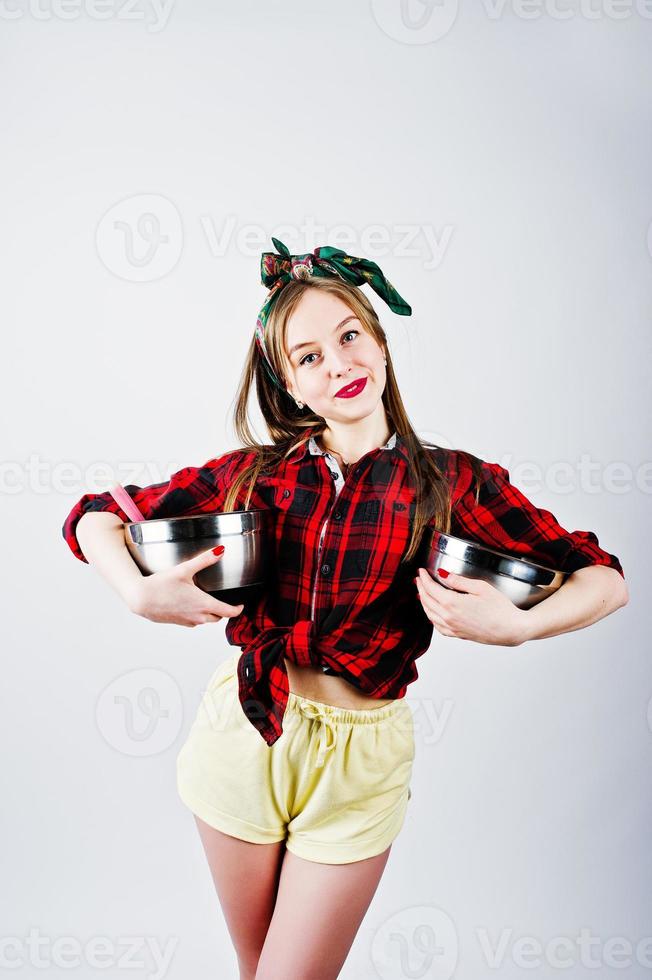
point(316, 451)
point(310, 446)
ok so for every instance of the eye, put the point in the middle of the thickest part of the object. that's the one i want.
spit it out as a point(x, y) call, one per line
point(304, 360)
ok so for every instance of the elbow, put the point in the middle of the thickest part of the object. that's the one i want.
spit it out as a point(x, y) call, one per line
point(615, 593)
point(620, 592)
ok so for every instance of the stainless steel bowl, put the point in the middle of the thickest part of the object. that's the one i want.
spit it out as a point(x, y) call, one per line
point(524, 582)
point(238, 576)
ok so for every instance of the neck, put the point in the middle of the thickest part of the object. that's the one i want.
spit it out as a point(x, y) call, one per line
point(353, 441)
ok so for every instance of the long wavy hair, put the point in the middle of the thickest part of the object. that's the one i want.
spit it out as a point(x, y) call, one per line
point(288, 425)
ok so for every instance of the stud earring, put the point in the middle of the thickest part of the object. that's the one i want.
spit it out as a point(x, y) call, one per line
point(299, 404)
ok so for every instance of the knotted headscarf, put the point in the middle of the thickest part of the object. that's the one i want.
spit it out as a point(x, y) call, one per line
point(277, 270)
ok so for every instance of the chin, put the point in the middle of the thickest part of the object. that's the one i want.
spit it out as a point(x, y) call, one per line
point(358, 411)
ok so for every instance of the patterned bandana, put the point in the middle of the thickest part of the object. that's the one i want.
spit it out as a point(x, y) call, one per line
point(277, 270)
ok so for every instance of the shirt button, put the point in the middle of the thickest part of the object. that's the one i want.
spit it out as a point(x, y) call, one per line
point(286, 493)
point(325, 569)
point(337, 516)
point(333, 473)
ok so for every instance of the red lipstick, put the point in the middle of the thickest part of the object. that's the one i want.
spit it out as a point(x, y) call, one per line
point(350, 391)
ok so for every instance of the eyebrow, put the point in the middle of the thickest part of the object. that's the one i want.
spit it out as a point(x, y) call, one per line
point(307, 343)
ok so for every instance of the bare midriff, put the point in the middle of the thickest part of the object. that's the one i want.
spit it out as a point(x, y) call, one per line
point(313, 683)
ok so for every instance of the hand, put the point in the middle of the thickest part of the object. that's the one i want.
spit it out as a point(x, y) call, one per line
point(475, 610)
point(171, 596)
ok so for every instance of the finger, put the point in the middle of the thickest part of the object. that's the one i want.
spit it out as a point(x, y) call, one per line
point(437, 620)
point(444, 630)
point(438, 597)
point(204, 559)
point(432, 609)
point(220, 608)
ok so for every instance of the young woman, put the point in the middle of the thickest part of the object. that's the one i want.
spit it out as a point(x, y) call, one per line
point(298, 764)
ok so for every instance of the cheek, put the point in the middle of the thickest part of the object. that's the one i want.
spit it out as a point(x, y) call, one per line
point(312, 385)
point(374, 356)
point(372, 349)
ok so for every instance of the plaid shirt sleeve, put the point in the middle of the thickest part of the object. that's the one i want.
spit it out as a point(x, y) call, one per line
point(505, 519)
point(192, 490)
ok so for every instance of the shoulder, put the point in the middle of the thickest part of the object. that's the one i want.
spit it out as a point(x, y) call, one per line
point(227, 466)
point(455, 463)
point(265, 460)
point(466, 472)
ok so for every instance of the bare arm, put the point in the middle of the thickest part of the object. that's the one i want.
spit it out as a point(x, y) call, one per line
point(169, 596)
point(101, 538)
point(588, 595)
point(472, 609)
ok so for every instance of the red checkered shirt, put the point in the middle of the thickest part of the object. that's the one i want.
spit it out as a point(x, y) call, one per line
point(338, 596)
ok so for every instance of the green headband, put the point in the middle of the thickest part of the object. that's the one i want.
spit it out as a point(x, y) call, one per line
point(277, 270)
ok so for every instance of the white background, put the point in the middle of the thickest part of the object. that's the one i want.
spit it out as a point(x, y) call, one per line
point(517, 142)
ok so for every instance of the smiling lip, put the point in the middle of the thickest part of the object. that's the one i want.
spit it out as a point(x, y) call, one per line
point(350, 391)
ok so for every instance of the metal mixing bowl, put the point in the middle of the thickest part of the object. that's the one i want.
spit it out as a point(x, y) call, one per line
point(238, 576)
point(524, 582)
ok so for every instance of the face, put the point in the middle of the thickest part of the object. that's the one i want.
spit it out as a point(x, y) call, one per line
point(336, 350)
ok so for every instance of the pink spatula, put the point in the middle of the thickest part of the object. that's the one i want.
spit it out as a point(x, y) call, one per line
point(124, 501)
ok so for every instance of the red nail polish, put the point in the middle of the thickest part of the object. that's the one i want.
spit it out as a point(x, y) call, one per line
point(218, 550)
point(442, 572)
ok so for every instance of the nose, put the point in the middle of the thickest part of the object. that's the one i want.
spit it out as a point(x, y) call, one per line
point(338, 363)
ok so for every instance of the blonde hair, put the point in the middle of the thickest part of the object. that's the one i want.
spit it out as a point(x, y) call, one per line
point(287, 424)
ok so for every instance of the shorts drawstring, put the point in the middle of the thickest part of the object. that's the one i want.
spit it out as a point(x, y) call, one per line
point(314, 711)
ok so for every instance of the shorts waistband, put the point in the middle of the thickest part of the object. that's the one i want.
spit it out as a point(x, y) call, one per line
point(330, 717)
point(348, 716)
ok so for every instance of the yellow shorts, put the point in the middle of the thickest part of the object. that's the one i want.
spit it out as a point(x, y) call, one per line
point(335, 785)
